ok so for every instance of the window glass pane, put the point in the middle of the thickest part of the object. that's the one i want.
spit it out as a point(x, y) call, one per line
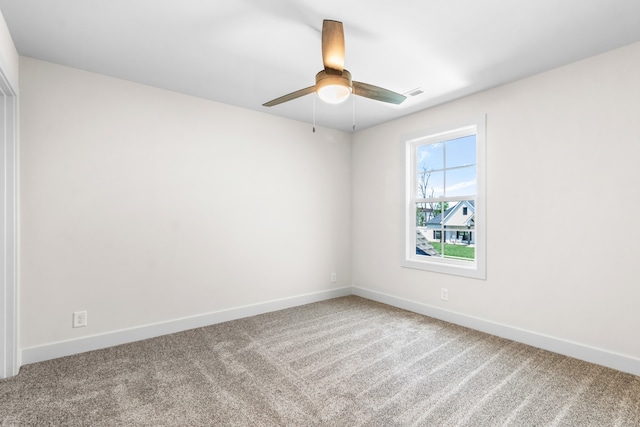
point(437, 248)
point(426, 243)
point(423, 214)
point(430, 157)
point(430, 184)
point(461, 151)
point(461, 182)
point(434, 232)
point(459, 230)
point(440, 211)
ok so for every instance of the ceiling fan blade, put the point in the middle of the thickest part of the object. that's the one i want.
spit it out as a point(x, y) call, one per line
point(291, 96)
point(377, 93)
point(332, 46)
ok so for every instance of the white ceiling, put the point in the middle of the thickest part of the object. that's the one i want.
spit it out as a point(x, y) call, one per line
point(247, 52)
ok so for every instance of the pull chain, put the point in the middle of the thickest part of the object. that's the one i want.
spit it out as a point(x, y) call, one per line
point(354, 112)
point(314, 113)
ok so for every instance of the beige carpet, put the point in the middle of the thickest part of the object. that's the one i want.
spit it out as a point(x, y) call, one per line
point(344, 362)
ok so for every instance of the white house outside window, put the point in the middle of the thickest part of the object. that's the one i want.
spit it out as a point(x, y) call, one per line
point(444, 212)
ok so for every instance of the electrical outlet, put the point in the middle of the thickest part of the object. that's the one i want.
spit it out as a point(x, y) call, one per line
point(334, 277)
point(79, 319)
point(444, 294)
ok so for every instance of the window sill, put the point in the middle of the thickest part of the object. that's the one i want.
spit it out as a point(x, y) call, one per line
point(461, 268)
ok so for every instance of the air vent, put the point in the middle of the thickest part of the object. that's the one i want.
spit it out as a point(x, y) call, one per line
point(414, 92)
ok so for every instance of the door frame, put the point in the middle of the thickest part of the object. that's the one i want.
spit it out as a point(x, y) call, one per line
point(9, 358)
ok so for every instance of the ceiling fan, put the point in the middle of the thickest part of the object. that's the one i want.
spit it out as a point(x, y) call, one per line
point(334, 84)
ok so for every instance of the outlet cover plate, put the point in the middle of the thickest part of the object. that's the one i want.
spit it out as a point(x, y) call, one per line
point(79, 319)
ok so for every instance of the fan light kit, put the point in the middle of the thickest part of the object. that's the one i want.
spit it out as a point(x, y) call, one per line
point(333, 89)
point(334, 84)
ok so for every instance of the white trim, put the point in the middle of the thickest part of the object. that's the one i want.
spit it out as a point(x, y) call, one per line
point(568, 348)
point(9, 362)
point(110, 339)
point(476, 269)
point(598, 356)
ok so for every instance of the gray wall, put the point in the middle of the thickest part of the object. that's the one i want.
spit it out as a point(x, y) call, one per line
point(562, 200)
point(143, 206)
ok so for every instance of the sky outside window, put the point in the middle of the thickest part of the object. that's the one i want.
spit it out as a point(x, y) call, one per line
point(451, 162)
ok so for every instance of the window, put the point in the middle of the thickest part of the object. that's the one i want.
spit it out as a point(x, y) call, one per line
point(444, 212)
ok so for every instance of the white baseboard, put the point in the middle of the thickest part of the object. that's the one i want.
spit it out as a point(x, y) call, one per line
point(96, 342)
point(598, 356)
point(579, 351)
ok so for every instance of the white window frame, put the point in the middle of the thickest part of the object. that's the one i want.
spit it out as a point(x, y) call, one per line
point(409, 143)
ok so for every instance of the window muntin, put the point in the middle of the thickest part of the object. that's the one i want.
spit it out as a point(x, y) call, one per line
point(444, 206)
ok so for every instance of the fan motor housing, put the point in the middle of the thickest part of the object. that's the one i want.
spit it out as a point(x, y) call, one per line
point(334, 88)
point(325, 79)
